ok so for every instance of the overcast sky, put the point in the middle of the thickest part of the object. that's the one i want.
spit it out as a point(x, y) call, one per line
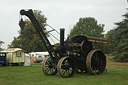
point(60, 13)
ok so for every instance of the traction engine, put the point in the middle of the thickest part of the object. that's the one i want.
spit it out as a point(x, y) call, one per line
point(73, 55)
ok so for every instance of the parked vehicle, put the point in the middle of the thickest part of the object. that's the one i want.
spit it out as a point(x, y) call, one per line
point(3, 59)
point(38, 56)
point(15, 56)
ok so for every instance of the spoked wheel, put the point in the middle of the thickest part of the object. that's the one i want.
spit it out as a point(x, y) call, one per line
point(96, 62)
point(66, 67)
point(48, 66)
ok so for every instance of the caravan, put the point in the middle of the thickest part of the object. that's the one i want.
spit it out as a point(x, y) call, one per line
point(37, 57)
point(15, 56)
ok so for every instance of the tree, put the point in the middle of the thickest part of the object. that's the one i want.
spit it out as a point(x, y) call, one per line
point(110, 36)
point(118, 39)
point(87, 27)
point(1, 42)
point(30, 41)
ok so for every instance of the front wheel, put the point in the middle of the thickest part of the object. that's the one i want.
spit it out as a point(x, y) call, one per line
point(49, 67)
point(66, 67)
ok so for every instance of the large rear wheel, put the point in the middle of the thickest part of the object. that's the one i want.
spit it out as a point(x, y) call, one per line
point(96, 62)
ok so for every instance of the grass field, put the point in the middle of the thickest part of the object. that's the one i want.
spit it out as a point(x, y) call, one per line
point(32, 75)
point(111, 63)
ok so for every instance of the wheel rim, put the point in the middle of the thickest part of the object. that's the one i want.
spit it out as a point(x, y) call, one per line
point(66, 67)
point(48, 66)
point(96, 62)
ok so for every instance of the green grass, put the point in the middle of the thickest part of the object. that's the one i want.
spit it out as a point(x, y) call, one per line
point(19, 75)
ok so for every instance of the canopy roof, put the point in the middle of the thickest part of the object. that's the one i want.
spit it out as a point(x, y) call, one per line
point(79, 39)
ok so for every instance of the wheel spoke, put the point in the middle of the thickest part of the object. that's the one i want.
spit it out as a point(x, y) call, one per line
point(48, 70)
point(70, 69)
point(64, 72)
point(47, 62)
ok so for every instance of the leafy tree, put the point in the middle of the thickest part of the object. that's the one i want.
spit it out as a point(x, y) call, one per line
point(110, 36)
point(30, 41)
point(1, 42)
point(88, 27)
point(118, 39)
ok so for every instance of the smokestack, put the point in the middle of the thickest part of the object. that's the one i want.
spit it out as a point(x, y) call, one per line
point(62, 37)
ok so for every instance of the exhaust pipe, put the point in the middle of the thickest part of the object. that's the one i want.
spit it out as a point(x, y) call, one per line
point(62, 38)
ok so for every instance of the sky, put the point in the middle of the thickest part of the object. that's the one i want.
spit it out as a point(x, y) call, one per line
point(60, 14)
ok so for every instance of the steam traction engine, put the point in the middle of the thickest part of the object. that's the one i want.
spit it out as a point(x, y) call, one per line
point(76, 54)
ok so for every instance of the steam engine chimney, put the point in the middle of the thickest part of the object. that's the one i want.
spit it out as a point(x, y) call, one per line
point(62, 38)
